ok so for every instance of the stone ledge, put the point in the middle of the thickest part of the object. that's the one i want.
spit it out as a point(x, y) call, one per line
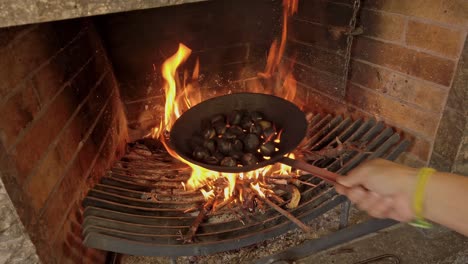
point(21, 12)
point(15, 244)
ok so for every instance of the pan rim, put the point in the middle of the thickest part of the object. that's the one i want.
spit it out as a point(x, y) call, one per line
point(239, 169)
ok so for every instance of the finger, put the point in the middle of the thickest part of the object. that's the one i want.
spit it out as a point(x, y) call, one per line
point(340, 189)
point(382, 208)
point(353, 178)
point(355, 194)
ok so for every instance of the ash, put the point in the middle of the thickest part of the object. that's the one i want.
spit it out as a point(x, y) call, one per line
point(323, 225)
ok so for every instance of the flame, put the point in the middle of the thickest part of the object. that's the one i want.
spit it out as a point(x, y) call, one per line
point(207, 195)
point(184, 94)
point(285, 83)
point(257, 188)
point(168, 72)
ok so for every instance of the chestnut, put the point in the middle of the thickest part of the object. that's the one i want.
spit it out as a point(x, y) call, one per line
point(267, 148)
point(265, 124)
point(210, 145)
point(224, 146)
point(251, 142)
point(200, 153)
point(235, 118)
point(220, 128)
point(209, 133)
point(249, 159)
point(218, 119)
point(228, 162)
point(269, 133)
point(237, 145)
point(256, 116)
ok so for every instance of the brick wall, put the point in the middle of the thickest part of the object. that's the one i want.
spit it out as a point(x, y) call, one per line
point(402, 66)
point(62, 123)
point(231, 39)
point(451, 144)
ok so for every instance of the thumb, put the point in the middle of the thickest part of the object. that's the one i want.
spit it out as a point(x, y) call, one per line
point(353, 178)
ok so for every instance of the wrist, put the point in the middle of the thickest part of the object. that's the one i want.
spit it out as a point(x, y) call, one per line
point(419, 197)
point(410, 179)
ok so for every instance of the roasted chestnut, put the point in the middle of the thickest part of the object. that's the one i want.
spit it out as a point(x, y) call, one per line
point(209, 133)
point(237, 145)
point(246, 123)
point(224, 146)
point(217, 119)
point(241, 137)
point(256, 129)
point(210, 145)
point(212, 160)
point(236, 130)
point(268, 133)
point(251, 142)
point(249, 159)
point(201, 153)
point(229, 162)
point(265, 124)
point(236, 154)
point(235, 118)
point(267, 148)
point(256, 116)
point(220, 128)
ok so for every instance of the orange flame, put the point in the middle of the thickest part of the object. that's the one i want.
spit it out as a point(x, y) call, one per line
point(182, 95)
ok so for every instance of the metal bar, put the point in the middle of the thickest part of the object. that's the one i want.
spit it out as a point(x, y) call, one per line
point(125, 246)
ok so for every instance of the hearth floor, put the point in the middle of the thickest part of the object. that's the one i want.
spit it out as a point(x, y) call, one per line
point(411, 245)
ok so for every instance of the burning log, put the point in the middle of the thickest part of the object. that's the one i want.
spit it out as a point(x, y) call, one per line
point(285, 180)
point(307, 229)
point(219, 206)
point(190, 236)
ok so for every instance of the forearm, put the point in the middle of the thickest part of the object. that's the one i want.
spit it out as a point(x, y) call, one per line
point(446, 201)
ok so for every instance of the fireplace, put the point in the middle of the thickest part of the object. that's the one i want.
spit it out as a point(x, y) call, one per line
point(78, 96)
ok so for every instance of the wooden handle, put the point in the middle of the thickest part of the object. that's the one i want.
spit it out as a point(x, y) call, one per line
point(316, 171)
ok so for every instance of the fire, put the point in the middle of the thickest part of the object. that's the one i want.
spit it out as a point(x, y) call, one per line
point(182, 95)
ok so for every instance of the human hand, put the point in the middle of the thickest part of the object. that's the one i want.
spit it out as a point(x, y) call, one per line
point(382, 188)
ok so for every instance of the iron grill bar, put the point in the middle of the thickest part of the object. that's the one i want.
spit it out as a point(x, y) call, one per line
point(118, 219)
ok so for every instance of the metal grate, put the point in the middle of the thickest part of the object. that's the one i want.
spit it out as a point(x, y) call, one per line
point(138, 207)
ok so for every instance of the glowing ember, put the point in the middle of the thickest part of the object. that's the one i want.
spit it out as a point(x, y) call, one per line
point(181, 95)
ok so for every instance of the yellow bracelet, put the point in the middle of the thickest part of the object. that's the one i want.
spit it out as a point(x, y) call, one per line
point(418, 198)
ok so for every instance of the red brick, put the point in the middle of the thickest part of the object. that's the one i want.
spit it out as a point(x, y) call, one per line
point(320, 103)
point(431, 37)
point(420, 93)
point(420, 148)
point(316, 58)
point(405, 116)
point(17, 113)
point(43, 132)
point(318, 35)
point(61, 200)
point(445, 11)
point(382, 25)
point(324, 82)
point(34, 49)
point(324, 12)
point(412, 62)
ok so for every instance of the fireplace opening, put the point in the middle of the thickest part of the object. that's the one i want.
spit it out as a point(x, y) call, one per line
point(84, 101)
